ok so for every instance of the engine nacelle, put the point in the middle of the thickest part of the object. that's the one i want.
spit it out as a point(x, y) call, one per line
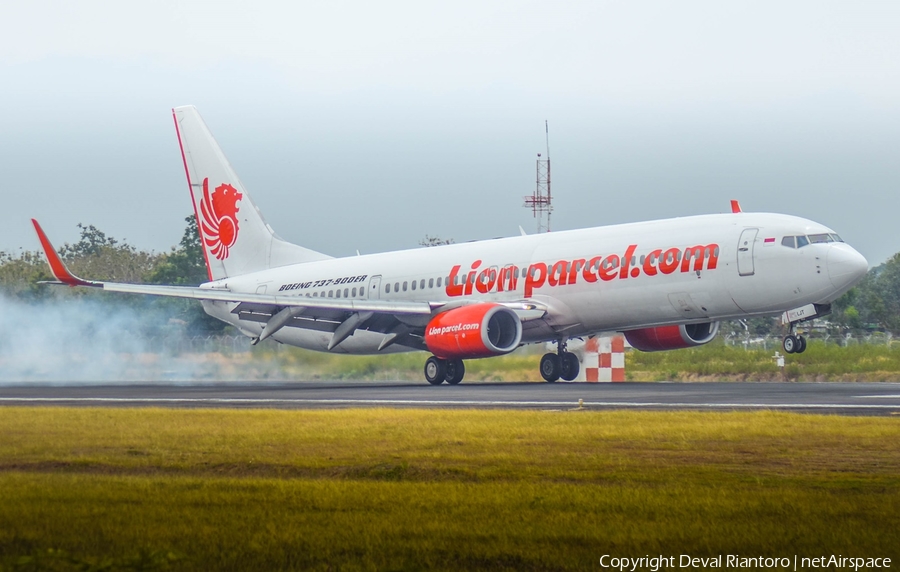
point(479, 330)
point(672, 337)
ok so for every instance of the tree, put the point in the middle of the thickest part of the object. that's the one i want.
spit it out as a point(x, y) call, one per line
point(879, 296)
point(99, 257)
point(19, 275)
point(91, 243)
point(183, 266)
point(874, 303)
point(844, 312)
point(96, 256)
point(435, 241)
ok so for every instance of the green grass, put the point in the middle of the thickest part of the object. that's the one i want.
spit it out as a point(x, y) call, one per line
point(820, 362)
point(410, 489)
point(712, 362)
point(295, 363)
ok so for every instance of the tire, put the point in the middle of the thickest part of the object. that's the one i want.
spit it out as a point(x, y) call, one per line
point(435, 370)
point(455, 371)
point(569, 366)
point(790, 344)
point(802, 346)
point(550, 367)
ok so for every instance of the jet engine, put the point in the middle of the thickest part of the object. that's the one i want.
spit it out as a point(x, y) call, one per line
point(672, 337)
point(479, 330)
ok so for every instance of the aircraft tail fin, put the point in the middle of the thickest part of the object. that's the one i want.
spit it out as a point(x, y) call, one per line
point(233, 234)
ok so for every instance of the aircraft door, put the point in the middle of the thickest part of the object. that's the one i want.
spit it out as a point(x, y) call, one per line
point(745, 252)
point(375, 287)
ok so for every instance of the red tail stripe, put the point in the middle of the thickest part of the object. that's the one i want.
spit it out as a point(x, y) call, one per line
point(187, 174)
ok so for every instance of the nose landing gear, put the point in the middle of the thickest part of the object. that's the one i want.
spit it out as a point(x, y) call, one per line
point(562, 364)
point(794, 344)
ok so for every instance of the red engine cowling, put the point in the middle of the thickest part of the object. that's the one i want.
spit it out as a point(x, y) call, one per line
point(672, 337)
point(475, 331)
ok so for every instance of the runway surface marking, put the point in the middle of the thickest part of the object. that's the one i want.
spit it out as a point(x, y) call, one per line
point(250, 401)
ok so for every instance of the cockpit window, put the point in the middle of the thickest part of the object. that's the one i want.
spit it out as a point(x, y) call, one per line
point(802, 240)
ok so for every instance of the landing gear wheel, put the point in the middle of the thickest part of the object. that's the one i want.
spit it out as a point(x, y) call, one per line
point(455, 371)
point(550, 367)
point(435, 370)
point(569, 366)
point(802, 344)
point(790, 344)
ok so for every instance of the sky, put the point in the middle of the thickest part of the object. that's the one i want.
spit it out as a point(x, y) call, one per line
point(367, 126)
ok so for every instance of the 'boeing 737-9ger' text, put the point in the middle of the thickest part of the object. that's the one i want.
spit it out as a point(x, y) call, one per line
point(666, 283)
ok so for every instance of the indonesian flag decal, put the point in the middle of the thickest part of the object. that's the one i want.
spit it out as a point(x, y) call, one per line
point(219, 223)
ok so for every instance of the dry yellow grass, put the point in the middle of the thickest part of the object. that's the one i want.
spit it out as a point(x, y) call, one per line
point(411, 489)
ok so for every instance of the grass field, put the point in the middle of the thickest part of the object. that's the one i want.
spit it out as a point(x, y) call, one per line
point(408, 489)
point(272, 362)
point(821, 362)
point(712, 362)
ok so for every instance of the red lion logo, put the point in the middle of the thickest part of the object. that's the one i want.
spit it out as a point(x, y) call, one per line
point(220, 224)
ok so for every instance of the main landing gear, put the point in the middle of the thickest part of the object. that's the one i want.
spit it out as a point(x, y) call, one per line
point(562, 364)
point(438, 370)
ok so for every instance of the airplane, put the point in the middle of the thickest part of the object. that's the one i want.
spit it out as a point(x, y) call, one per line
point(666, 284)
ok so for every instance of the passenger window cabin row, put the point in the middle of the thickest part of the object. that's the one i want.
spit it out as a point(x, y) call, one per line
point(796, 241)
point(415, 284)
point(339, 293)
point(439, 282)
point(397, 286)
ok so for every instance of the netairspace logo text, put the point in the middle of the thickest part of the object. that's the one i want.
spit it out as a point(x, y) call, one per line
point(686, 561)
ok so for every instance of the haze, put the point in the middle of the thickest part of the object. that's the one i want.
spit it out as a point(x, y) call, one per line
point(367, 126)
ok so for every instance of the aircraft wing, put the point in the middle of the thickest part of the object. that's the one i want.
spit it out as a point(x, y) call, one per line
point(327, 314)
point(64, 276)
point(197, 293)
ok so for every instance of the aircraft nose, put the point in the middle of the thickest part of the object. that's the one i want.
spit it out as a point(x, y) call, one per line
point(845, 266)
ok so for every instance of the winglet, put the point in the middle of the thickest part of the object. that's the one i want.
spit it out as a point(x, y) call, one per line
point(57, 267)
point(735, 206)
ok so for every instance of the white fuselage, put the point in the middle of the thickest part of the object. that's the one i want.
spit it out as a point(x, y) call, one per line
point(611, 278)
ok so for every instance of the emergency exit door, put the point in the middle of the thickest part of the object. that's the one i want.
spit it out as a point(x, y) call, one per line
point(745, 251)
point(375, 287)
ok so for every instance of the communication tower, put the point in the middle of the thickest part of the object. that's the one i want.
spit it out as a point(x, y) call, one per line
point(539, 202)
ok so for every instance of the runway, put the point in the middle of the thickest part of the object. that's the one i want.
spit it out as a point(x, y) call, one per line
point(839, 398)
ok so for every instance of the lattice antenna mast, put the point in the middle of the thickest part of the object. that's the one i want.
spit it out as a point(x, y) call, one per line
point(549, 203)
point(540, 201)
